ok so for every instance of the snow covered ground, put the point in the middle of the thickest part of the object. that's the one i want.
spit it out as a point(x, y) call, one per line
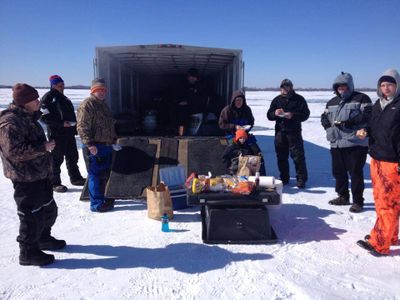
point(124, 255)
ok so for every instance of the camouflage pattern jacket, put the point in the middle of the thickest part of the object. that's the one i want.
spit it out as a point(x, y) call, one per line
point(22, 148)
point(95, 122)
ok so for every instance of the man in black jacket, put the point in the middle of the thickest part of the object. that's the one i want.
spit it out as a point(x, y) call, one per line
point(59, 116)
point(289, 109)
point(191, 99)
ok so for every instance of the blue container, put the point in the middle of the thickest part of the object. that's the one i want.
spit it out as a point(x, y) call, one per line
point(174, 178)
point(165, 223)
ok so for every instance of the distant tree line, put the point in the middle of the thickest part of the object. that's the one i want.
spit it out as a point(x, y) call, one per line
point(72, 87)
point(246, 88)
point(255, 89)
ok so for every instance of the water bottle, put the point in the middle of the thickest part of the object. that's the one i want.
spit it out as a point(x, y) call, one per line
point(165, 223)
point(257, 181)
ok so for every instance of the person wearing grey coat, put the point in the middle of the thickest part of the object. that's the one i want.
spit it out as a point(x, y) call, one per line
point(344, 114)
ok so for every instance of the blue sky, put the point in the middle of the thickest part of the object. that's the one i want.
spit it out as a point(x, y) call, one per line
point(307, 41)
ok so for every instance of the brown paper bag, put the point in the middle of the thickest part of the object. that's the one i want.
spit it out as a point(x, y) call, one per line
point(248, 165)
point(159, 202)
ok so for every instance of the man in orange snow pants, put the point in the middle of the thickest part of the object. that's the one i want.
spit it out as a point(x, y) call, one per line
point(386, 183)
point(384, 148)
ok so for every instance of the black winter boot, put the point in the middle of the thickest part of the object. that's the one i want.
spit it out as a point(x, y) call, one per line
point(341, 200)
point(78, 181)
point(32, 256)
point(60, 188)
point(51, 243)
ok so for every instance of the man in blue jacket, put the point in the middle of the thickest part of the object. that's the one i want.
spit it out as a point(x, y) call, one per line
point(344, 114)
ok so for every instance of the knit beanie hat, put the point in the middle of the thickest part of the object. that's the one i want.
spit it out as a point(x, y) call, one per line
point(98, 84)
point(387, 78)
point(240, 133)
point(54, 79)
point(24, 93)
point(286, 83)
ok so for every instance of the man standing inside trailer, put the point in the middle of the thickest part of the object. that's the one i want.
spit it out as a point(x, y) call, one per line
point(96, 127)
point(59, 116)
point(27, 162)
point(191, 100)
point(288, 110)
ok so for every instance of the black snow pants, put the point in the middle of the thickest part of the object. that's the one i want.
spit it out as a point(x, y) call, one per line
point(292, 143)
point(65, 146)
point(351, 161)
point(37, 211)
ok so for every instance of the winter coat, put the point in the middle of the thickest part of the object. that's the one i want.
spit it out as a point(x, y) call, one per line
point(57, 108)
point(95, 122)
point(232, 153)
point(196, 95)
point(22, 146)
point(231, 116)
point(345, 114)
point(294, 103)
point(384, 126)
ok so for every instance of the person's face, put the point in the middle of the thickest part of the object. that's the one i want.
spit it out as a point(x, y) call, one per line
point(242, 140)
point(342, 89)
point(33, 105)
point(284, 91)
point(238, 102)
point(192, 79)
point(100, 94)
point(59, 87)
point(388, 89)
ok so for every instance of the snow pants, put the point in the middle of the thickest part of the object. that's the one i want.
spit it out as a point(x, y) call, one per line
point(351, 161)
point(292, 143)
point(386, 189)
point(65, 146)
point(99, 172)
point(37, 211)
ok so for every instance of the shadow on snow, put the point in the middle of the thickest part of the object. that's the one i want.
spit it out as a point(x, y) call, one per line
point(183, 257)
point(303, 223)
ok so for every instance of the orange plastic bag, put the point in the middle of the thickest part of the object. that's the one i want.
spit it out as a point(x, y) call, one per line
point(243, 188)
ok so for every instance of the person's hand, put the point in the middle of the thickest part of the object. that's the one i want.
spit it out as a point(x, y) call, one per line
point(361, 134)
point(92, 150)
point(325, 122)
point(67, 124)
point(50, 145)
point(288, 115)
point(279, 112)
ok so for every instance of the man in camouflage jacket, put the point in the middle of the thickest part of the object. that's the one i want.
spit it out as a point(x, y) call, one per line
point(96, 127)
point(27, 162)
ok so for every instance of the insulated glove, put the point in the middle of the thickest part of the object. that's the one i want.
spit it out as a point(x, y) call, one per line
point(325, 121)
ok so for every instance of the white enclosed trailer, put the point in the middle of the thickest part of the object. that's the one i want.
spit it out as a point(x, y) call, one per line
point(135, 75)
